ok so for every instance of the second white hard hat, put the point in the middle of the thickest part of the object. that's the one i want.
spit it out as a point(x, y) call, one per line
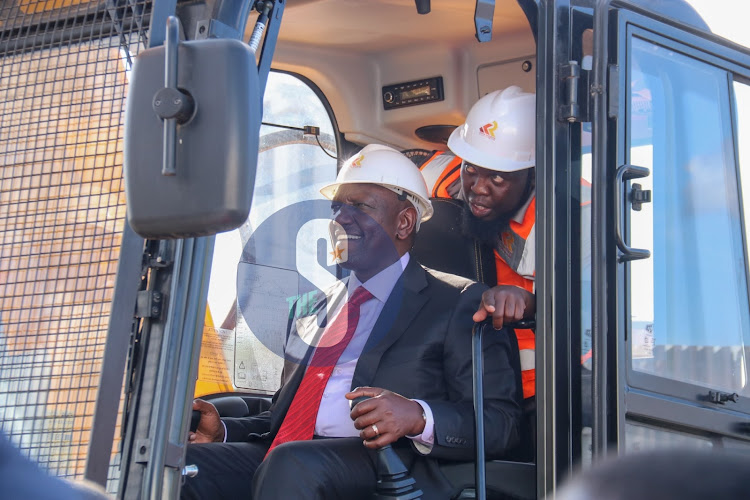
point(500, 131)
point(385, 166)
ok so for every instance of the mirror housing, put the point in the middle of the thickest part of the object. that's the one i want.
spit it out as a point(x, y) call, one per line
point(213, 142)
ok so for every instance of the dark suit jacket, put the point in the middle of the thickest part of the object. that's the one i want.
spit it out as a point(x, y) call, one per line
point(420, 347)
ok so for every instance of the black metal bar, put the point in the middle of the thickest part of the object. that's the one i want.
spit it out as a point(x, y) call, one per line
point(115, 354)
point(269, 47)
point(544, 34)
point(599, 251)
point(477, 359)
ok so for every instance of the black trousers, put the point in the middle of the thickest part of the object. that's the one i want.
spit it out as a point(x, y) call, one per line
point(335, 469)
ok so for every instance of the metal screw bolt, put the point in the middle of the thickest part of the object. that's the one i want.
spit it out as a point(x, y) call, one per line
point(202, 30)
point(142, 450)
point(178, 101)
point(157, 102)
point(154, 311)
point(526, 66)
point(484, 30)
point(190, 470)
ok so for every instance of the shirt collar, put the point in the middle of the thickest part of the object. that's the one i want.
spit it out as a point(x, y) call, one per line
point(381, 285)
point(521, 213)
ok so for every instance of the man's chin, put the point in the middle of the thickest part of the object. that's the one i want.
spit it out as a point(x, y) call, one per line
point(485, 229)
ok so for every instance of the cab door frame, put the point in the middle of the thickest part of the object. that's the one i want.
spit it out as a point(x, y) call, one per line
point(561, 110)
point(669, 404)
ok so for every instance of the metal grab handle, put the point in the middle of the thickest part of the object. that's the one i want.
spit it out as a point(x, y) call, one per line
point(626, 173)
point(478, 369)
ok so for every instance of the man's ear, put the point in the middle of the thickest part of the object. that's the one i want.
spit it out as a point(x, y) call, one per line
point(407, 223)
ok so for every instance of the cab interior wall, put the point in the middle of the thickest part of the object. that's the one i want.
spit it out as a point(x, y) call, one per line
point(351, 71)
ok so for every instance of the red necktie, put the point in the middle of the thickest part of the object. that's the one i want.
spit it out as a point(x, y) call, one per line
point(299, 423)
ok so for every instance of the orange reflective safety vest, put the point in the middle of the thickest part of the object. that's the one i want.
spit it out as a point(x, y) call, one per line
point(514, 253)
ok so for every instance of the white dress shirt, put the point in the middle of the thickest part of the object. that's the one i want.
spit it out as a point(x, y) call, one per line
point(333, 415)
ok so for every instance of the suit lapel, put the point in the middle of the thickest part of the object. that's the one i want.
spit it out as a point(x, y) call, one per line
point(398, 313)
point(305, 334)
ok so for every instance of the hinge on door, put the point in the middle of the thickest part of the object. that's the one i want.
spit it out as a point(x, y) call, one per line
point(570, 75)
point(148, 304)
point(574, 82)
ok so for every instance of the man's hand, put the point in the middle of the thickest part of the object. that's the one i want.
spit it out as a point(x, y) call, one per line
point(394, 416)
point(506, 304)
point(210, 429)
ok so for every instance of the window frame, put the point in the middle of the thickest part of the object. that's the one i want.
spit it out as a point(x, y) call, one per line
point(645, 398)
point(247, 391)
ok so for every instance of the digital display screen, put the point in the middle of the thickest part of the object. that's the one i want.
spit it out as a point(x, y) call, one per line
point(423, 91)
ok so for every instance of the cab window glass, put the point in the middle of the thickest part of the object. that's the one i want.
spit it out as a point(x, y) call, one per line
point(742, 109)
point(689, 301)
point(263, 261)
point(641, 438)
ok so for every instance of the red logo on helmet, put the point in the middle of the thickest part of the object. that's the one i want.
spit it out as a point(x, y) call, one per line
point(489, 130)
point(358, 161)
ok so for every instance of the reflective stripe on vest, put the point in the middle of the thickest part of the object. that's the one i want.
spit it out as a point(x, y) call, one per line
point(439, 172)
point(522, 242)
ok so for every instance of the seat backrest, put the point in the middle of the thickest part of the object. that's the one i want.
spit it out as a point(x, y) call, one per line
point(441, 245)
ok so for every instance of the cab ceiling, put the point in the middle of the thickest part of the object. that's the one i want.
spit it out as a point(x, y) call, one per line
point(350, 49)
point(381, 25)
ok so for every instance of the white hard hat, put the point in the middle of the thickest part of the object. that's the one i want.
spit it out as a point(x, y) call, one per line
point(500, 131)
point(382, 165)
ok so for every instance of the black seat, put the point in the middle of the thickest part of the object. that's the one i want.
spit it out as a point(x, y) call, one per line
point(442, 246)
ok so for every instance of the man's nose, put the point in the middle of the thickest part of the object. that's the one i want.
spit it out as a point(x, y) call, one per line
point(344, 214)
point(479, 186)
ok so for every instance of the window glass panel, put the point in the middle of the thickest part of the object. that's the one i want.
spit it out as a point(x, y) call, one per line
point(689, 305)
point(639, 438)
point(254, 278)
point(742, 99)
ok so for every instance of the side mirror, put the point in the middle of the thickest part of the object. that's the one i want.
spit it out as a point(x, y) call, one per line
point(191, 137)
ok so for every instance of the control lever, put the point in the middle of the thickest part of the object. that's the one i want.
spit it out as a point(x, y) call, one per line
point(394, 480)
point(477, 357)
point(195, 419)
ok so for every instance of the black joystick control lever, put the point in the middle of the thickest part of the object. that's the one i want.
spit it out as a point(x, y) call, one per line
point(394, 480)
point(195, 419)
